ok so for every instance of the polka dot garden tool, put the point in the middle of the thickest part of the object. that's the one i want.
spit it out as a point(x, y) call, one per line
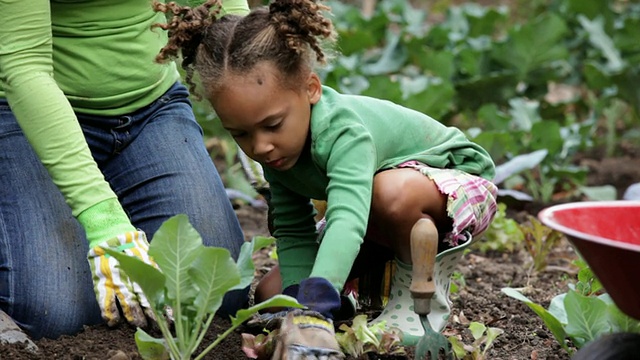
point(607, 235)
point(424, 246)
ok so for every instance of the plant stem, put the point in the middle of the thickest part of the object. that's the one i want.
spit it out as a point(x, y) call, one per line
point(178, 324)
point(164, 329)
point(204, 330)
point(218, 340)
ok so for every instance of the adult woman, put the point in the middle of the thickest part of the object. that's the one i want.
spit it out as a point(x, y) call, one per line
point(99, 146)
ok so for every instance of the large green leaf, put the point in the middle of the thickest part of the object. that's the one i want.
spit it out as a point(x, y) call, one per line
point(546, 135)
point(393, 57)
point(601, 41)
point(499, 143)
point(151, 348)
point(214, 273)
point(552, 323)
point(174, 247)
point(591, 9)
point(276, 301)
point(483, 20)
point(150, 279)
point(622, 322)
point(533, 44)
point(436, 99)
point(518, 164)
point(494, 87)
point(245, 259)
point(524, 113)
point(587, 318)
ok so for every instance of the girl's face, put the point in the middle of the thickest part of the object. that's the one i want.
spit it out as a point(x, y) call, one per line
point(269, 121)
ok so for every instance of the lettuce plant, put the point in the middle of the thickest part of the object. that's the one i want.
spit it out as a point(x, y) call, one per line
point(191, 280)
point(583, 314)
point(483, 338)
point(356, 340)
point(361, 338)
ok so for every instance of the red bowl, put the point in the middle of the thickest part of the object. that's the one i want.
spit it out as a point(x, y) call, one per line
point(607, 235)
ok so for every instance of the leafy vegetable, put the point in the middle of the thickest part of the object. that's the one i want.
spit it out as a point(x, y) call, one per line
point(190, 279)
point(361, 338)
point(503, 234)
point(581, 315)
point(539, 240)
point(483, 339)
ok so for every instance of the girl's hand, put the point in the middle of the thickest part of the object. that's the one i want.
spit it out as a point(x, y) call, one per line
point(305, 335)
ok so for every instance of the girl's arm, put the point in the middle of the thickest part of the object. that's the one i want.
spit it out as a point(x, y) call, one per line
point(350, 165)
point(294, 229)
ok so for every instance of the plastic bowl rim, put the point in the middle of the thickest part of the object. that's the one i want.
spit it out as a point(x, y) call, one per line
point(546, 217)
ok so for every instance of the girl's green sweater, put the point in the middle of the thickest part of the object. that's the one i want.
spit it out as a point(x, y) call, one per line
point(352, 138)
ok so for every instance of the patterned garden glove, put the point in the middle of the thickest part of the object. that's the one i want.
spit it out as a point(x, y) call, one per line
point(110, 283)
point(306, 335)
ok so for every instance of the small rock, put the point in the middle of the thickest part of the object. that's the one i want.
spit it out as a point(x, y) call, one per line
point(117, 355)
point(10, 333)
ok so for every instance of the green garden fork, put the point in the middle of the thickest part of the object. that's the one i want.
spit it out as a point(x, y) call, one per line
point(424, 247)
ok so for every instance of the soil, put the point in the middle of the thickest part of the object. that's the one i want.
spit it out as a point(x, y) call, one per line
point(479, 298)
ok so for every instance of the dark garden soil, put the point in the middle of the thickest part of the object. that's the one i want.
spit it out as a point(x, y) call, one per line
point(480, 299)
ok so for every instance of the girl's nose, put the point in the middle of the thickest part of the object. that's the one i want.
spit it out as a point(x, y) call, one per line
point(262, 146)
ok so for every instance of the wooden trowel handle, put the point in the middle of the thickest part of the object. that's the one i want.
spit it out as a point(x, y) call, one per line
point(424, 247)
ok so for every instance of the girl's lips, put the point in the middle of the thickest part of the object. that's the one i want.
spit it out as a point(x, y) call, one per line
point(276, 163)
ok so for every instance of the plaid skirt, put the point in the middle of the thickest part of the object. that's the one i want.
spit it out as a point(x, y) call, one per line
point(471, 203)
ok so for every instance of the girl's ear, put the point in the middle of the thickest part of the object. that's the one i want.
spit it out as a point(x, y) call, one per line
point(314, 88)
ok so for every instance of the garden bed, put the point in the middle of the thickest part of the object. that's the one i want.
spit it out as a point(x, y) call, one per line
point(478, 299)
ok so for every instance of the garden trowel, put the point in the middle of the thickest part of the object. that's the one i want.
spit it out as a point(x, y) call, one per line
point(424, 247)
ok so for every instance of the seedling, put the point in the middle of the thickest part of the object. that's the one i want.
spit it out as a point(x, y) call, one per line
point(259, 346)
point(483, 339)
point(361, 338)
point(356, 340)
point(539, 241)
point(190, 279)
point(503, 233)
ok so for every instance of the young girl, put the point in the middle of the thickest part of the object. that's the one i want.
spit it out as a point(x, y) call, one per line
point(380, 167)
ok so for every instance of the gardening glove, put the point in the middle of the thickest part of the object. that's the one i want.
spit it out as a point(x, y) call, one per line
point(309, 334)
point(306, 335)
point(111, 284)
point(317, 294)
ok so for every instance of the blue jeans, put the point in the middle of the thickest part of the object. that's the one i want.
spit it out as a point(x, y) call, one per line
point(155, 161)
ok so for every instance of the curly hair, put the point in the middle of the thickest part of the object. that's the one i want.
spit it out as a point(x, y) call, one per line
point(290, 34)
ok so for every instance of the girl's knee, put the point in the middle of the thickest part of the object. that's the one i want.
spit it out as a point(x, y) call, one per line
point(402, 195)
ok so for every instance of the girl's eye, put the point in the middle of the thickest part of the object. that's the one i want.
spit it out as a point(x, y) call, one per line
point(273, 126)
point(238, 135)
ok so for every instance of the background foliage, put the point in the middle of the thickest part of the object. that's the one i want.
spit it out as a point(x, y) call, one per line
point(557, 77)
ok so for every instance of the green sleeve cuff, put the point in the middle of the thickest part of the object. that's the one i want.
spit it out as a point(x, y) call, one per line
point(235, 7)
point(104, 221)
point(295, 259)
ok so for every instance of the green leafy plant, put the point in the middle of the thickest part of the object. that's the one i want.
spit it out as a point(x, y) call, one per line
point(190, 279)
point(588, 284)
point(539, 240)
point(503, 233)
point(457, 282)
point(483, 338)
point(583, 314)
point(259, 346)
point(361, 338)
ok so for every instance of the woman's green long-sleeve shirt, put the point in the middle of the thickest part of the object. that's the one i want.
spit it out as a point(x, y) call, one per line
point(352, 138)
point(89, 56)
